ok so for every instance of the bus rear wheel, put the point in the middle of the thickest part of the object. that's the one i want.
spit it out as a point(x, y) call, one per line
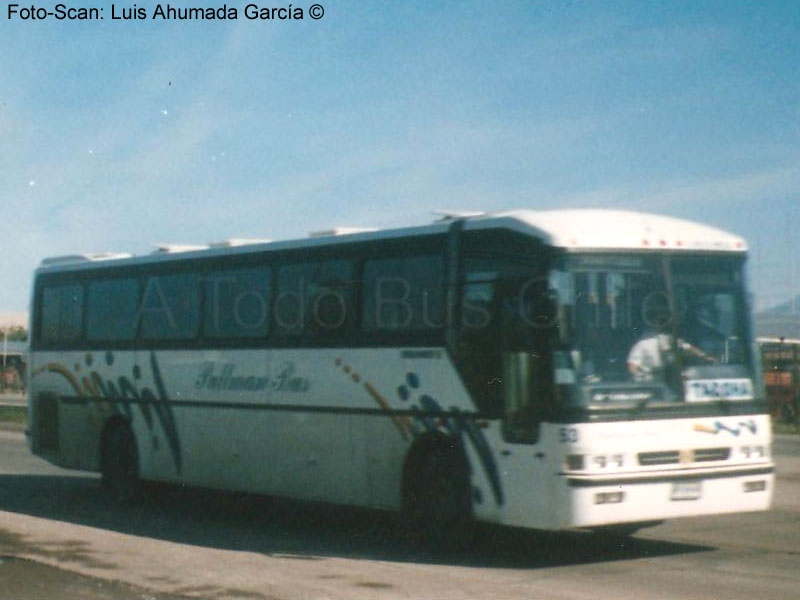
point(119, 463)
point(438, 505)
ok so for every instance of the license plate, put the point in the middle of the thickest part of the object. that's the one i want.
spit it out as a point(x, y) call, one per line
point(686, 490)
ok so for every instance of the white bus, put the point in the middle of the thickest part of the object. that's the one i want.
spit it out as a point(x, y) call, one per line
point(550, 370)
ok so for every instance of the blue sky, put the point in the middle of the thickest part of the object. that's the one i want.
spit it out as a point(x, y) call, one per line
point(115, 135)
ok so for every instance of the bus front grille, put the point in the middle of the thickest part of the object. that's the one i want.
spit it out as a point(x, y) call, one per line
point(651, 459)
point(711, 454)
point(674, 457)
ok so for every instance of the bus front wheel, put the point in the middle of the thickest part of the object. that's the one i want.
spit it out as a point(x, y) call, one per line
point(119, 463)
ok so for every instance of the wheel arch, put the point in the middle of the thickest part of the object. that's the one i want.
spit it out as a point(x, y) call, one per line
point(422, 447)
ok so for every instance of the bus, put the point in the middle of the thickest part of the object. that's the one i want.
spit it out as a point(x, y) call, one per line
point(780, 358)
point(539, 369)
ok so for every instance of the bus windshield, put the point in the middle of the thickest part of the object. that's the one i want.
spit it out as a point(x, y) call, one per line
point(663, 328)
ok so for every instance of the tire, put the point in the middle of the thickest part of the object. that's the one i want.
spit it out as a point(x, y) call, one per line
point(438, 500)
point(119, 464)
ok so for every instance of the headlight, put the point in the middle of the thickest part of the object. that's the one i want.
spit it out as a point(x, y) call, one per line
point(753, 452)
point(579, 462)
point(575, 462)
point(608, 461)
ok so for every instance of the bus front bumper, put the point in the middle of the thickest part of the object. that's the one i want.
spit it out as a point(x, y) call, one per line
point(610, 499)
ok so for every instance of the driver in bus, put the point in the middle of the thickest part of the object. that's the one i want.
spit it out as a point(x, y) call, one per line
point(646, 358)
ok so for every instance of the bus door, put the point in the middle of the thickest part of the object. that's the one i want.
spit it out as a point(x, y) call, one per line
point(479, 346)
point(527, 323)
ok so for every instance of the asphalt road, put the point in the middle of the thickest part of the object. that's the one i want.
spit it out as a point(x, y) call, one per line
point(209, 545)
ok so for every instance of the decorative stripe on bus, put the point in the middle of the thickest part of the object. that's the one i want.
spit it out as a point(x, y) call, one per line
point(60, 370)
point(123, 392)
point(314, 408)
point(427, 415)
point(460, 425)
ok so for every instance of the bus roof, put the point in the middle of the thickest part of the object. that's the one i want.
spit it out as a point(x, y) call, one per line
point(594, 229)
point(626, 230)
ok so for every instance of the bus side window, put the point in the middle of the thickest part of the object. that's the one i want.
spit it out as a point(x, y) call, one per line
point(112, 305)
point(62, 314)
point(404, 294)
point(237, 303)
point(331, 298)
point(315, 298)
point(170, 307)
